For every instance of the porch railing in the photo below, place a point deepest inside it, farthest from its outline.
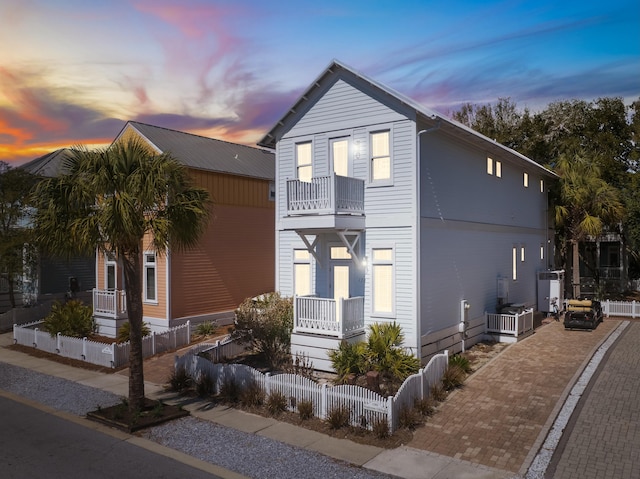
(109, 303)
(512, 324)
(325, 195)
(327, 316)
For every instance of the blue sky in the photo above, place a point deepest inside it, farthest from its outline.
(73, 72)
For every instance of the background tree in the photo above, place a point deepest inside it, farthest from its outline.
(111, 199)
(603, 134)
(586, 204)
(15, 233)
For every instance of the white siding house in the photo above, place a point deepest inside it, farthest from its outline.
(387, 211)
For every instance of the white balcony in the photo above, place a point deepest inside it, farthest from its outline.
(328, 317)
(109, 303)
(326, 195)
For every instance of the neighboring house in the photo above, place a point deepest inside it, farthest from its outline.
(57, 276)
(388, 211)
(233, 260)
(603, 265)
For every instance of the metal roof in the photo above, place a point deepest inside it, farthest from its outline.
(50, 165)
(431, 116)
(205, 153)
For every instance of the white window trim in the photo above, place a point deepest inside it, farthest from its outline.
(392, 247)
(145, 267)
(514, 263)
(109, 261)
(382, 182)
(296, 165)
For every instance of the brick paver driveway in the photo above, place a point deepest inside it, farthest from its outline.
(497, 417)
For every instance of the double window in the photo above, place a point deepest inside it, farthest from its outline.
(494, 167)
(150, 278)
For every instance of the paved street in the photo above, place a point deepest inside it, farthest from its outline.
(36, 444)
(602, 439)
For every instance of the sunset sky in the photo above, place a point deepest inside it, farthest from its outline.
(73, 72)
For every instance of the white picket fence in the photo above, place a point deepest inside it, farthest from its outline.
(366, 407)
(510, 324)
(630, 309)
(109, 355)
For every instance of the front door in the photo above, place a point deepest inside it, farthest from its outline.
(340, 273)
(340, 156)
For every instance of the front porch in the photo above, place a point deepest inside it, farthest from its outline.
(109, 310)
(320, 324)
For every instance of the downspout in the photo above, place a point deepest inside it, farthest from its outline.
(418, 236)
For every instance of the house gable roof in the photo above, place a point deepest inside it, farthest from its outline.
(204, 153)
(49, 165)
(428, 116)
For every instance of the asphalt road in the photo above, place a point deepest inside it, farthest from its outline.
(35, 444)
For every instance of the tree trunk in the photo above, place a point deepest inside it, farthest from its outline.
(133, 283)
(575, 268)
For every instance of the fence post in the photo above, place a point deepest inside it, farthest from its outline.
(216, 352)
(58, 345)
(35, 337)
(267, 384)
(323, 401)
(606, 308)
(390, 414)
(153, 343)
(84, 348)
(113, 355)
(188, 339)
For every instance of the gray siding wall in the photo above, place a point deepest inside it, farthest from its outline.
(345, 110)
(470, 223)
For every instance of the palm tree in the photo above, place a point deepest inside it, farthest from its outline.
(111, 199)
(585, 205)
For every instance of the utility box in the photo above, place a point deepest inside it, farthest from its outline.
(551, 291)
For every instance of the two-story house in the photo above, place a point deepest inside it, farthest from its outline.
(234, 258)
(388, 211)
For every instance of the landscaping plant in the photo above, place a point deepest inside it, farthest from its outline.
(124, 332)
(266, 323)
(72, 318)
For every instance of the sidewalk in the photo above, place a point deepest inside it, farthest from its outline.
(489, 429)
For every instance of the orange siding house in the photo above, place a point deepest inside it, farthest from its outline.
(234, 258)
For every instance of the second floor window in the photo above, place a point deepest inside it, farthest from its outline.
(304, 169)
(380, 157)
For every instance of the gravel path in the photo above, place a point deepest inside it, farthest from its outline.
(248, 454)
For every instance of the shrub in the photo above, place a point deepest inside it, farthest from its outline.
(180, 380)
(382, 352)
(381, 428)
(230, 391)
(206, 329)
(461, 361)
(266, 323)
(252, 395)
(204, 385)
(438, 392)
(72, 318)
(424, 406)
(125, 331)
(348, 359)
(453, 377)
(305, 409)
(300, 365)
(408, 418)
(339, 417)
(276, 403)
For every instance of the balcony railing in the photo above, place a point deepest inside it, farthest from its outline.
(328, 317)
(109, 303)
(327, 195)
